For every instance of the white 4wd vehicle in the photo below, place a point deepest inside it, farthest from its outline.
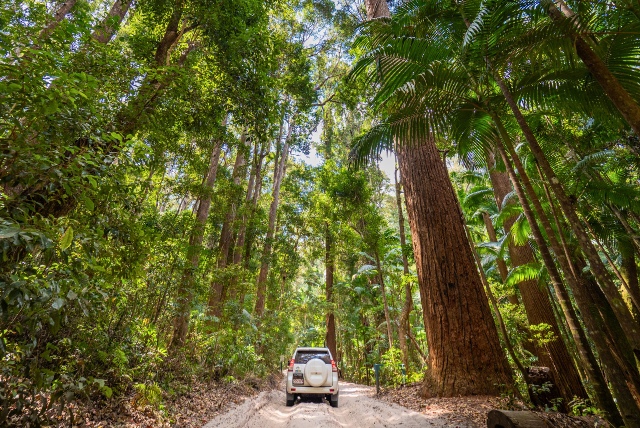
(312, 371)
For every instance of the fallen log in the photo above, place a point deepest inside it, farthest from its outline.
(511, 419)
(528, 419)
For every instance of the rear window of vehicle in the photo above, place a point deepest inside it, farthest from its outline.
(302, 357)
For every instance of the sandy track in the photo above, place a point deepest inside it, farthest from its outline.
(358, 408)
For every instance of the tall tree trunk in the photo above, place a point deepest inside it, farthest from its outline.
(110, 24)
(629, 325)
(403, 325)
(465, 356)
(591, 316)
(185, 287)
(619, 96)
(217, 295)
(279, 171)
(537, 305)
(329, 263)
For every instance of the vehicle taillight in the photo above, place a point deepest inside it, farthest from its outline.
(334, 368)
(291, 365)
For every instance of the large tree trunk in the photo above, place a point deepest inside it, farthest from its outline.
(537, 305)
(185, 287)
(279, 171)
(465, 356)
(219, 287)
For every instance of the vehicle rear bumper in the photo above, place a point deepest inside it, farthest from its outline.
(312, 390)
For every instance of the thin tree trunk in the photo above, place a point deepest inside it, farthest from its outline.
(110, 24)
(385, 304)
(630, 270)
(629, 325)
(329, 263)
(61, 12)
(217, 295)
(279, 171)
(591, 316)
(54, 202)
(403, 325)
(185, 287)
(502, 266)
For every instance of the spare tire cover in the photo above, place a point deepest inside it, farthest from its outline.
(315, 372)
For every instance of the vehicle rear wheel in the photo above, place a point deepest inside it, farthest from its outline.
(290, 399)
(334, 400)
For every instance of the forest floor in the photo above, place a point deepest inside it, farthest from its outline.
(254, 403)
(459, 411)
(193, 409)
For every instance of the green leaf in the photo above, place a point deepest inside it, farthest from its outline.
(72, 295)
(108, 392)
(116, 136)
(51, 108)
(92, 181)
(66, 239)
(9, 232)
(88, 203)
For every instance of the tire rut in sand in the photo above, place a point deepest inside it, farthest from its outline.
(358, 408)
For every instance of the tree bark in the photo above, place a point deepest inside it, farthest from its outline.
(630, 271)
(279, 171)
(496, 309)
(465, 356)
(185, 287)
(108, 27)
